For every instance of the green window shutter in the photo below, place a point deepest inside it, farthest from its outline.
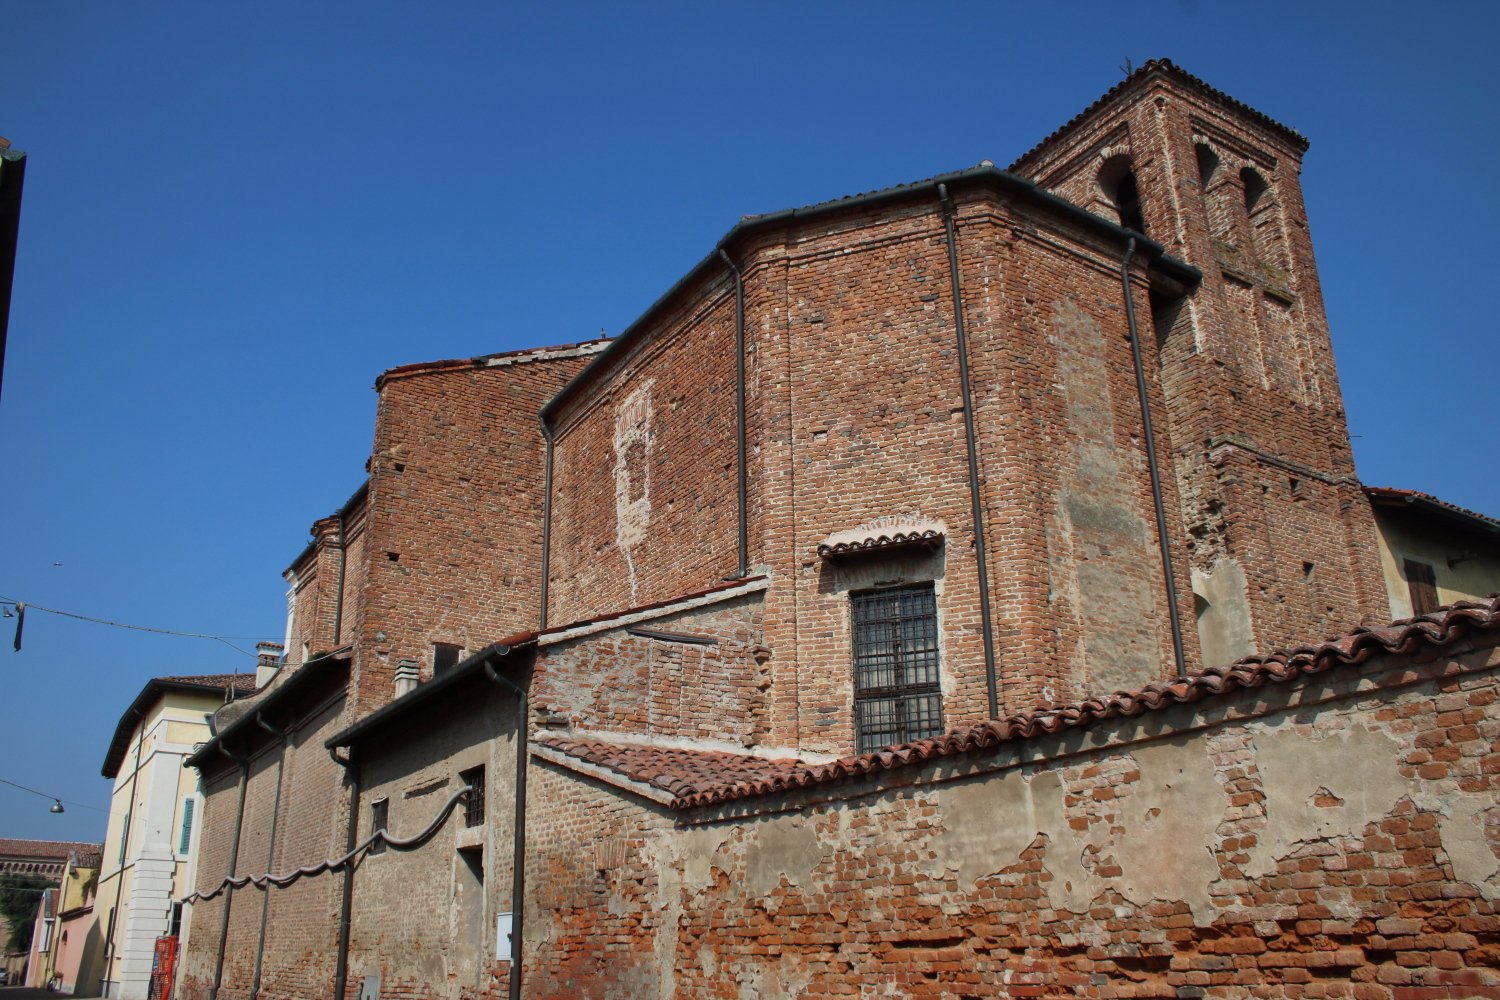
(187, 825)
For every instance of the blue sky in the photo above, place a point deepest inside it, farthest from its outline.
(237, 215)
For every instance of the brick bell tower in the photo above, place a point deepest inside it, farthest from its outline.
(1282, 539)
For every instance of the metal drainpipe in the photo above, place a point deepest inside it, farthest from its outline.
(518, 846)
(975, 504)
(234, 857)
(739, 397)
(265, 899)
(124, 850)
(546, 523)
(346, 904)
(1161, 510)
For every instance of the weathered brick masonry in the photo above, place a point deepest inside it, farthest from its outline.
(698, 821)
(1333, 834)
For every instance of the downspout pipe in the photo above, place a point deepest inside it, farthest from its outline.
(971, 437)
(234, 858)
(547, 436)
(1150, 443)
(739, 404)
(346, 901)
(518, 846)
(265, 899)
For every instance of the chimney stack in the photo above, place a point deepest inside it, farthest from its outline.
(267, 662)
(407, 674)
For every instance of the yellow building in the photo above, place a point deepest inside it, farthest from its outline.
(1433, 553)
(152, 837)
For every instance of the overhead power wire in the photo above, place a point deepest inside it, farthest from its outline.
(54, 798)
(268, 881)
(25, 606)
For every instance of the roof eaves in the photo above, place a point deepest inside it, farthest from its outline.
(1154, 252)
(1149, 70)
(424, 694)
(154, 689)
(1414, 498)
(312, 670)
(355, 499)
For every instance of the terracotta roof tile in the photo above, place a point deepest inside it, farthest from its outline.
(1394, 495)
(242, 683)
(700, 778)
(679, 772)
(59, 849)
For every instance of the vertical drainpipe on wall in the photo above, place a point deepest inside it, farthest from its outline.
(346, 902)
(546, 522)
(265, 898)
(1150, 443)
(518, 845)
(739, 402)
(975, 504)
(109, 965)
(234, 858)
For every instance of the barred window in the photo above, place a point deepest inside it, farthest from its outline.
(380, 819)
(473, 779)
(897, 697)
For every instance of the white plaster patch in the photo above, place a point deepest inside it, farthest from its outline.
(1356, 765)
(633, 441)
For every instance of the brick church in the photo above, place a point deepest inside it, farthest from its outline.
(930, 595)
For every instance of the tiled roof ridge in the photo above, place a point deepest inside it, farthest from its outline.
(59, 849)
(239, 681)
(635, 760)
(1154, 67)
(1395, 493)
(1437, 629)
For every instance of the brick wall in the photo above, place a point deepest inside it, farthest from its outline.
(618, 682)
(302, 920)
(1336, 836)
(454, 535)
(644, 477)
(1256, 420)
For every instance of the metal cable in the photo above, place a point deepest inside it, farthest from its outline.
(333, 865)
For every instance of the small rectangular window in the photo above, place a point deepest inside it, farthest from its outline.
(444, 657)
(473, 779)
(380, 818)
(185, 839)
(1421, 583)
(897, 694)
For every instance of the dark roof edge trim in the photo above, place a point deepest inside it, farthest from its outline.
(1140, 78)
(425, 693)
(355, 498)
(154, 689)
(1392, 497)
(271, 699)
(1157, 257)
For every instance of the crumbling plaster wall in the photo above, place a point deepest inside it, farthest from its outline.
(1335, 831)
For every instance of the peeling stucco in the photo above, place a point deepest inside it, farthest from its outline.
(1224, 628)
(1097, 541)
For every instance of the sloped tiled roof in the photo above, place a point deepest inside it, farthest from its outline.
(1157, 67)
(240, 684)
(49, 849)
(679, 772)
(1391, 495)
(700, 778)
